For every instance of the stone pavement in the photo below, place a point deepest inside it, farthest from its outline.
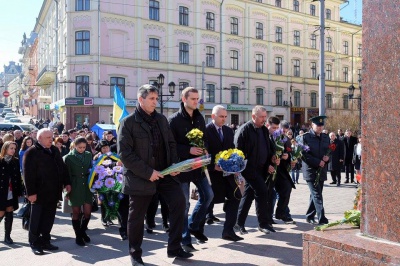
(106, 248)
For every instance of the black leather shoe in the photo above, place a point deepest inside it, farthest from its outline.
(270, 228)
(188, 248)
(165, 227)
(49, 246)
(210, 221)
(338, 184)
(311, 221)
(264, 230)
(332, 183)
(346, 182)
(37, 250)
(231, 236)
(179, 253)
(137, 262)
(240, 229)
(287, 220)
(215, 219)
(199, 235)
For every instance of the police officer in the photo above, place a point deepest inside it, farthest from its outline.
(314, 161)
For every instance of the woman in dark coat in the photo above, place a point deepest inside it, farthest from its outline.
(10, 186)
(79, 163)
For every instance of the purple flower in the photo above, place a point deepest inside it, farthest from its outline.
(97, 184)
(120, 178)
(121, 196)
(109, 171)
(106, 162)
(117, 169)
(102, 175)
(99, 169)
(101, 197)
(110, 182)
(111, 204)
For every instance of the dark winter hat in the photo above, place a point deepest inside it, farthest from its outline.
(101, 144)
(318, 120)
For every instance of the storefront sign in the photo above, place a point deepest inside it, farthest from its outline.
(78, 101)
(130, 102)
(297, 109)
(231, 107)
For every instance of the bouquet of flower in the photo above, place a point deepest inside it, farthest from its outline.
(296, 151)
(352, 217)
(232, 162)
(279, 139)
(331, 148)
(188, 165)
(195, 136)
(106, 178)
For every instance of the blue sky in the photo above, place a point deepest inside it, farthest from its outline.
(19, 16)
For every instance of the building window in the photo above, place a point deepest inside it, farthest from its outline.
(358, 74)
(82, 5)
(328, 14)
(296, 68)
(329, 100)
(182, 86)
(296, 6)
(259, 30)
(278, 3)
(234, 60)
(259, 63)
(210, 89)
(329, 44)
(235, 117)
(279, 94)
(183, 16)
(82, 86)
(259, 96)
(210, 56)
(296, 38)
(183, 53)
(296, 98)
(313, 70)
(312, 10)
(346, 74)
(120, 82)
(359, 49)
(234, 94)
(346, 47)
(278, 34)
(210, 21)
(313, 99)
(234, 26)
(313, 41)
(154, 10)
(328, 72)
(82, 42)
(345, 101)
(154, 49)
(278, 66)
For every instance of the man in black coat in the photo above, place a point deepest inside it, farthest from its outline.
(336, 159)
(220, 138)
(146, 146)
(182, 122)
(45, 175)
(253, 139)
(349, 142)
(314, 161)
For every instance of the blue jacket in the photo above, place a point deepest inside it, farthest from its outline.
(318, 148)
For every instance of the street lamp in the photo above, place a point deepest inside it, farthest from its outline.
(171, 89)
(351, 96)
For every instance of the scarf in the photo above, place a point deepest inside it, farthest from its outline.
(7, 158)
(80, 156)
(155, 131)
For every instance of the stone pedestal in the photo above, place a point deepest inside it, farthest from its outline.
(377, 243)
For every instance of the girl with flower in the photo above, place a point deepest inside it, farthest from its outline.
(79, 163)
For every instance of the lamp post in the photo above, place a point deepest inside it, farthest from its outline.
(171, 89)
(351, 96)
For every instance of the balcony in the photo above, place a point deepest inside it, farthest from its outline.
(46, 77)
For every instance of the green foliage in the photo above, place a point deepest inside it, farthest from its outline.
(352, 217)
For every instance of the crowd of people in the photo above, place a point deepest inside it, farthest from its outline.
(50, 162)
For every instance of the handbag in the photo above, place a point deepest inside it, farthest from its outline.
(26, 215)
(95, 205)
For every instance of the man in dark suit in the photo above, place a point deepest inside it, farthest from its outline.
(45, 174)
(220, 138)
(336, 159)
(349, 142)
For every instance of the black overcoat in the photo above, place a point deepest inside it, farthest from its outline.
(336, 156)
(10, 170)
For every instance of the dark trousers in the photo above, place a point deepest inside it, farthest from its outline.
(256, 189)
(350, 170)
(231, 204)
(41, 222)
(336, 176)
(153, 207)
(171, 191)
(316, 204)
(284, 188)
(123, 211)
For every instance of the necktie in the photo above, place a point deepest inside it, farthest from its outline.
(220, 134)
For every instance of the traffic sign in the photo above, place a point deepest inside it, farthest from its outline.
(201, 107)
(201, 101)
(47, 107)
(6, 94)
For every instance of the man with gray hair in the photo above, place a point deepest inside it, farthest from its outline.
(45, 175)
(18, 139)
(146, 146)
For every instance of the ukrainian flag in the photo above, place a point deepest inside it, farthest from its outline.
(119, 109)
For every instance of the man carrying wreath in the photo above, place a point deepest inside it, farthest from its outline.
(146, 146)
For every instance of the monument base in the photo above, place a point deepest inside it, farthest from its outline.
(344, 245)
